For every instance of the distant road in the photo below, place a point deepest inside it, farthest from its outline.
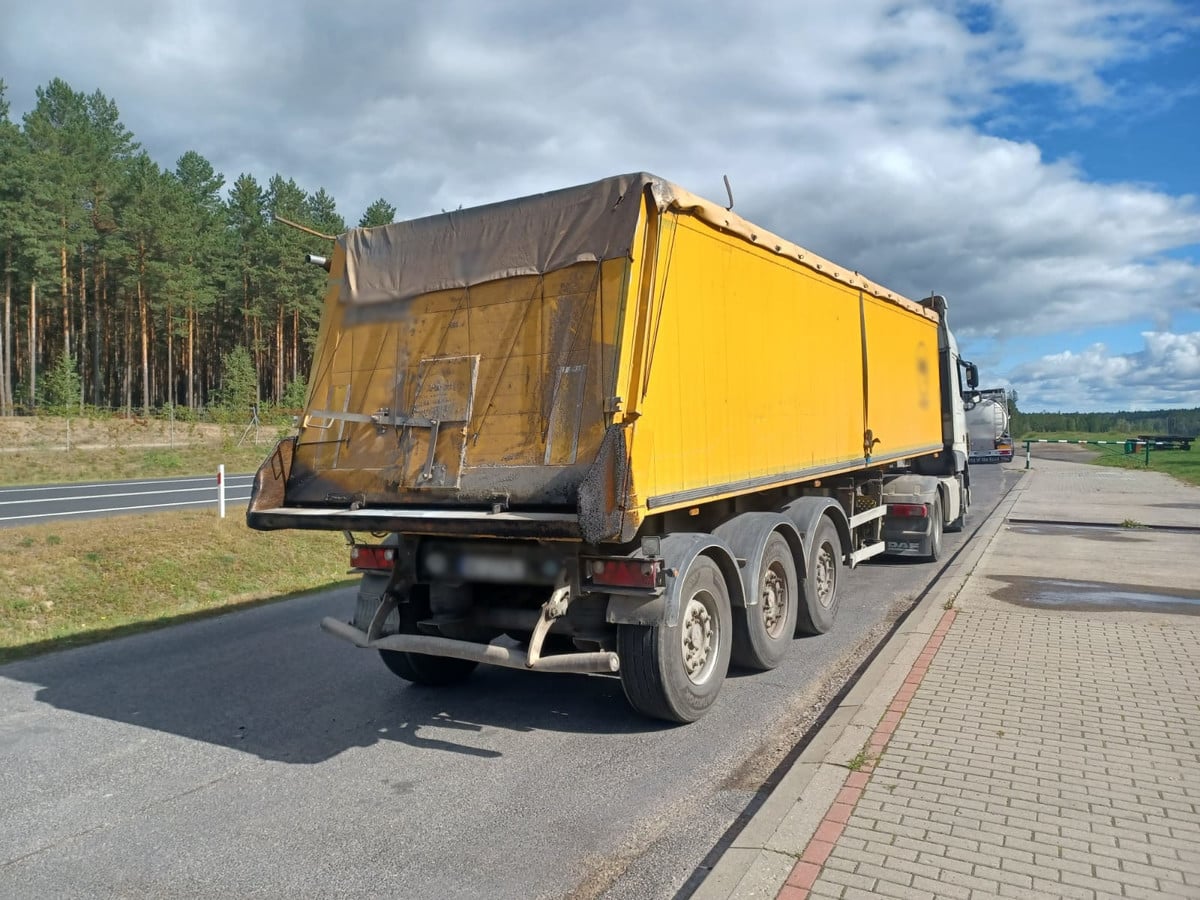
(54, 502)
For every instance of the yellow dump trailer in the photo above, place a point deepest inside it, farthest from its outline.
(619, 423)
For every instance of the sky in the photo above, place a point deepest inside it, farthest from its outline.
(1035, 162)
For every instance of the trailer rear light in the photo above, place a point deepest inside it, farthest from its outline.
(362, 557)
(637, 573)
(908, 510)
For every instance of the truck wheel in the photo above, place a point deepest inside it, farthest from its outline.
(674, 672)
(433, 671)
(935, 529)
(820, 605)
(762, 633)
(415, 667)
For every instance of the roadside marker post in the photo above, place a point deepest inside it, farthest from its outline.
(221, 491)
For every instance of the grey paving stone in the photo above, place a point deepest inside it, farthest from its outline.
(1046, 753)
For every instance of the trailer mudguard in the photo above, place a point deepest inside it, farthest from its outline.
(805, 513)
(747, 537)
(678, 552)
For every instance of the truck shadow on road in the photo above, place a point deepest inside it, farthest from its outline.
(268, 682)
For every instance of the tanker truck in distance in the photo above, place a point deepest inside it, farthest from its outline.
(614, 429)
(987, 427)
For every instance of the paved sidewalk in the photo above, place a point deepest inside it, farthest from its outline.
(1037, 737)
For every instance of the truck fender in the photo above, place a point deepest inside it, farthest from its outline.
(911, 487)
(678, 552)
(805, 513)
(747, 537)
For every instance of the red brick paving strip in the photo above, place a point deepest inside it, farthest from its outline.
(808, 867)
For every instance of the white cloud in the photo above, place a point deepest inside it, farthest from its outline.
(848, 127)
(1165, 374)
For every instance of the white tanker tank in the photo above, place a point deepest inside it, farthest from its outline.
(987, 425)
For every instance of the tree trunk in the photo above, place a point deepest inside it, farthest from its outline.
(128, 361)
(66, 295)
(32, 343)
(81, 353)
(295, 344)
(278, 386)
(6, 388)
(258, 366)
(144, 316)
(191, 356)
(170, 360)
(144, 319)
(96, 289)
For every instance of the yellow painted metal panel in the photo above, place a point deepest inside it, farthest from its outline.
(904, 404)
(755, 371)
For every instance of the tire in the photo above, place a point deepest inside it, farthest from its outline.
(418, 668)
(655, 659)
(819, 609)
(935, 530)
(762, 633)
(431, 671)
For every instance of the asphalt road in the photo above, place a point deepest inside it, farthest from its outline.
(53, 502)
(252, 754)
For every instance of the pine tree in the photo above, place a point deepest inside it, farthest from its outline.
(378, 213)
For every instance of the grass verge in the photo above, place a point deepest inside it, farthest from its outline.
(21, 467)
(1184, 465)
(71, 583)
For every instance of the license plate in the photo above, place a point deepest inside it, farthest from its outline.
(491, 568)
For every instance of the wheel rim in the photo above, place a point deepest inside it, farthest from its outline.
(700, 637)
(774, 600)
(825, 576)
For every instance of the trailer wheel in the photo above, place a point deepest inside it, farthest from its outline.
(817, 613)
(935, 529)
(433, 671)
(418, 668)
(674, 672)
(763, 632)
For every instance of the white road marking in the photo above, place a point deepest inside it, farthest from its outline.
(88, 512)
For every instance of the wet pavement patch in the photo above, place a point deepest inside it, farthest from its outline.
(1091, 533)
(1095, 596)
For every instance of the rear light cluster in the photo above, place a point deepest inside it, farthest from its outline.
(363, 557)
(619, 572)
(908, 510)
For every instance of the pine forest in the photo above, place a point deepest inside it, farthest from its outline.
(131, 287)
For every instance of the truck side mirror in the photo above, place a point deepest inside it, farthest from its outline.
(973, 378)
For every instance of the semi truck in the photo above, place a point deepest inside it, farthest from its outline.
(987, 427)
(614, 429)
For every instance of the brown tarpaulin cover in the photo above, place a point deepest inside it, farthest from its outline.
(534, 235)
(588, 223)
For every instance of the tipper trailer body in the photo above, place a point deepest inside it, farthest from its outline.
(614, 428)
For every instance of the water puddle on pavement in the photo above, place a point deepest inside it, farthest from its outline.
(1084, 596)
(1111, 535)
